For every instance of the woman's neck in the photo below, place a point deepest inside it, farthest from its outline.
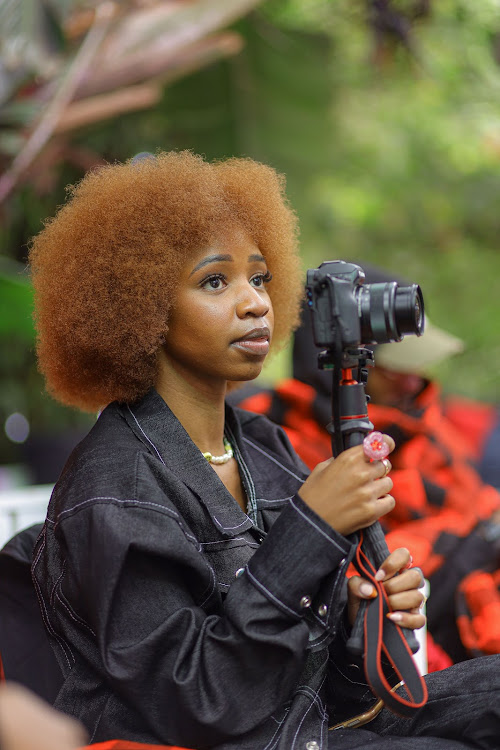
(199, 407)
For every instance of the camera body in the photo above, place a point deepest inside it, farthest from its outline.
(347, 313)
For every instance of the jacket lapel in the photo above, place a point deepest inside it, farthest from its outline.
(160, 431)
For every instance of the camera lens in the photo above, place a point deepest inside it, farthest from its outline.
(409, 304)
(387, 311)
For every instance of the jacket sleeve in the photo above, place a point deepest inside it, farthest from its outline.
(187, 661)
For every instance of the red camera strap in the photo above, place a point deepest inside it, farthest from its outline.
(385, 637)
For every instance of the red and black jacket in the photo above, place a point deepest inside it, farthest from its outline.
(443, 508)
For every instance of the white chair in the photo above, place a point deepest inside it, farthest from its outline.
(22, 507)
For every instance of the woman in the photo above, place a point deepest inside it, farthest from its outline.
(190, 575)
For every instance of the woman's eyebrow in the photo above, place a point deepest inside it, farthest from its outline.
(257, 257)
(211, 259)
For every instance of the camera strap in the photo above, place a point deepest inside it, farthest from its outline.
(386, 649)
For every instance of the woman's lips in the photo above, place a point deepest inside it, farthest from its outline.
(253, 346)
(255, 341)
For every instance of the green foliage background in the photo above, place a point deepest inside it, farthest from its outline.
(390, 143)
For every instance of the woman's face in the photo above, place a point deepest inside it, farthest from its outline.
(221, 322)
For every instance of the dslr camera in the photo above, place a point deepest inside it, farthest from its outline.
(347, 313)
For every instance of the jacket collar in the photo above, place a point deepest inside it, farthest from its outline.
(163, 435)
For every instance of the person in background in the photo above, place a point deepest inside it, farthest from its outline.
(28, 723)
(445, 513)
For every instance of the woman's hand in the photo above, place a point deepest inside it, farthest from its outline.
(403, 590)
(350, 492)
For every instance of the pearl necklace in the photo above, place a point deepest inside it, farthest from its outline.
(220, 459)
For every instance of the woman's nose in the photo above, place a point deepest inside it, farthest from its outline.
(252, 301)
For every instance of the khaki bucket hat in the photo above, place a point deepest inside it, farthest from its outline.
(416, 354)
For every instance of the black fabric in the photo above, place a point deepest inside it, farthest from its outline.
(26, 653)
(463, 557)
(158, 639)
(436, 495)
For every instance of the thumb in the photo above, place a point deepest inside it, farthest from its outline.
(357, 589)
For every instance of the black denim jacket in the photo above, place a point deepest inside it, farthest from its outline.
(177, 618)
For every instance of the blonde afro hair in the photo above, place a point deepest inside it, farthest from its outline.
(104, 269)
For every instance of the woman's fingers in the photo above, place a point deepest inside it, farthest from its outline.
(384, 504)
(357, 589)
(390, 442)
(404, 592)
(403, 586)
(411, 579)
(386, 467)
(406, 600)
(361, 588)
(405, 605)
(411, 620)
(349, 492)
(398, 560)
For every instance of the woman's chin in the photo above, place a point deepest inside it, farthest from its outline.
(238, 380)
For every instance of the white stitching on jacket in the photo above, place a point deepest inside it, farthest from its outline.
(309, 520)
(149, 441)
(274, 460)
(45, 615)
(74, 616)
(315, 701)
(272, 596)
(98, 498)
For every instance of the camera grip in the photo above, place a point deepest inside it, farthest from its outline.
(376, 548)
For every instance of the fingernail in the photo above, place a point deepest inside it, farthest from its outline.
(409, 563)
(368, 590)
(380, 575)
(394, 616)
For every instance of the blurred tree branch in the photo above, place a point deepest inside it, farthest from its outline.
(50, 117)
(128, 53)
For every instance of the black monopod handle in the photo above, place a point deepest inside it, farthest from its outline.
(350, 403)
(376, 548)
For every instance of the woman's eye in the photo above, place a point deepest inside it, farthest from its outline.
(216, 281)
(261, 278)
